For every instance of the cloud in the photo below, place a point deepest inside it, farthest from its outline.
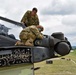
(54, 15)
(2, 12)
(69, 20)
(58, 23)
(60, 7)
(15, 30)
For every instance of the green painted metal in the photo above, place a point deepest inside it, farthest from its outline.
(20, 69)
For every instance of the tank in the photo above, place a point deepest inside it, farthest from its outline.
(51, 46)
(48, 46)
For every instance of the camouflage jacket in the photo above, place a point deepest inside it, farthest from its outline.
(30, 32)
(30, 20)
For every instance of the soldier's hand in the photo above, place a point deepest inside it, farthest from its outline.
(23, 24)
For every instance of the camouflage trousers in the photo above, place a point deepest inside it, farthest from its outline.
(26, 38)
(28, 42)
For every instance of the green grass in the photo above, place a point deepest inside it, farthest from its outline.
(59, 67)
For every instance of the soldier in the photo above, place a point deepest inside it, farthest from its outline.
(29, 34)
(30, 18)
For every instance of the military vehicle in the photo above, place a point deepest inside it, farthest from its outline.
(48, 47)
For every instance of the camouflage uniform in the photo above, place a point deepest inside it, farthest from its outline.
(30, 20)
(29, 34)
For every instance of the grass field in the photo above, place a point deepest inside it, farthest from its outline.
(59, 66)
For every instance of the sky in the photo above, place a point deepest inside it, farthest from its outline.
(54, 15)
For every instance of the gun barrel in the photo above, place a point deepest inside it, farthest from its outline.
(12, 21)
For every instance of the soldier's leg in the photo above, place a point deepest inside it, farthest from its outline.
(19, 43)
(25, 38)
(29, 42)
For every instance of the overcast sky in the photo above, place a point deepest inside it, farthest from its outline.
(54, 15)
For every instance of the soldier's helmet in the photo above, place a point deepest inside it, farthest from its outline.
(40, 28)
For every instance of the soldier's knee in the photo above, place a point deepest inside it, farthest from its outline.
(19, 43)
(29, 43)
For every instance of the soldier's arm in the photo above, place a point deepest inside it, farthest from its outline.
(40, 35)
(37, 20)
(36, 32)
(24, 18)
